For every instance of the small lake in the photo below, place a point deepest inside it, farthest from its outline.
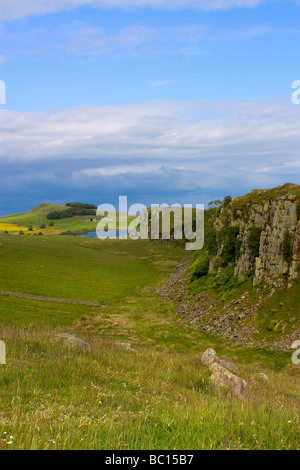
(109, 234)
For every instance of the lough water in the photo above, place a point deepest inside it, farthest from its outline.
(112, 235)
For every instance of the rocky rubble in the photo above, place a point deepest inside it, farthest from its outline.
(230, 320)
(203, 312)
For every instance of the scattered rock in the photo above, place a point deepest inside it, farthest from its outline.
(209, 357)
(72, 341)
(263, 377)
(229, 365)
(223, 378)
(128, 347)
(215, 366)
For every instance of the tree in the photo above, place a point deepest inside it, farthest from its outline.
(287, 247)
(227, 201)
(214, 204)
(254, 241)
(228, 237)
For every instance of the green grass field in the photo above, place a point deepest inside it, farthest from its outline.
(156, 397)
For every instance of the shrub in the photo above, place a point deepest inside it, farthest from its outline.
(254, 241)
(235, 213)
(43, 226)
(224, 283)
(251, 273)
(231, 244)
(287, 247)
(227, 201)
(200, 266)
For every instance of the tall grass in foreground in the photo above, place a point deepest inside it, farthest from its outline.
(159, 397)
(52, 397)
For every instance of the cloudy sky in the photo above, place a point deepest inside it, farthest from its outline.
(166, 101)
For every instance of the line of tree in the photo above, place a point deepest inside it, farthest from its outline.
(72, 209)
(81, 205)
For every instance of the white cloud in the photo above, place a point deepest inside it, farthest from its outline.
(88, 40)
(162, 83)
(111, 171)
(93, 40)
(180, 145)
(12, 9)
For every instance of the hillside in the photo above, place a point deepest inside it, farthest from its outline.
(244, 283)
(142, 384)
(37, 217)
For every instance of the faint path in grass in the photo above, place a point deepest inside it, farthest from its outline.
(50, 299)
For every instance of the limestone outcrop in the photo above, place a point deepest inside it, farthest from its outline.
(276, 219)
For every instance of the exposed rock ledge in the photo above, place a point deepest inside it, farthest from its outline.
(229, 320)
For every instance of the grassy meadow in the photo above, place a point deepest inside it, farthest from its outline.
(155, 394)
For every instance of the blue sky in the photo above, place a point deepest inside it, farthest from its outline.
(164, 101)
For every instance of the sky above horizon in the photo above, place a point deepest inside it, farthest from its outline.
(174, 101)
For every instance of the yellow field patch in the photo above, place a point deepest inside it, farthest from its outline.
(11, 228)
(17, 228)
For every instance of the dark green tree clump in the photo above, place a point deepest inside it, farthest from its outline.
(254, 241)
(80, 205)
(227, 201)
(228, 236)
(72, 209)
(287, 247)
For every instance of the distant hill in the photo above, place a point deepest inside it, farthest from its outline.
(36, 217)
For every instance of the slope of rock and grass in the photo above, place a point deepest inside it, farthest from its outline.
(244, 283)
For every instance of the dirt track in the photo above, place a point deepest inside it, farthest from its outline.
(50, 299)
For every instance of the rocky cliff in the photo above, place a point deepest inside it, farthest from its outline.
(267, 224)
(244, 283)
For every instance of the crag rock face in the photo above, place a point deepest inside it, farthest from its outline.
(253, 238)
(276, 219)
